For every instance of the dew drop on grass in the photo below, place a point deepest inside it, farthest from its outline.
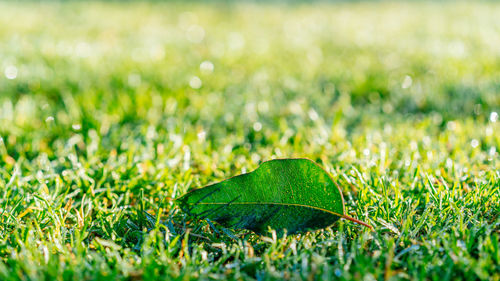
(227, 149)
(407, 82)
(474, 143)
(195, 82)
(207, 67)
(313, 115)
(255, 157)
(11, 72)
(493, 117)
(257, 126)
(201, 135)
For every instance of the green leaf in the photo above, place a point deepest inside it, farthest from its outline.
(291, 194)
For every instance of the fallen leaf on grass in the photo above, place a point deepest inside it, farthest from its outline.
(291, 194)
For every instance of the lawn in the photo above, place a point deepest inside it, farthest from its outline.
(109, 111)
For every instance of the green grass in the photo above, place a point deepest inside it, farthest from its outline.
(105, 122)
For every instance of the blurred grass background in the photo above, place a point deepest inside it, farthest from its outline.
(108, 110)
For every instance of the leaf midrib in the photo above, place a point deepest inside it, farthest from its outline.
(272, 203)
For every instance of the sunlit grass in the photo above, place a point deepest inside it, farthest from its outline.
(109, 111)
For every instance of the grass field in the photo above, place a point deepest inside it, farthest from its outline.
(109, 111)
